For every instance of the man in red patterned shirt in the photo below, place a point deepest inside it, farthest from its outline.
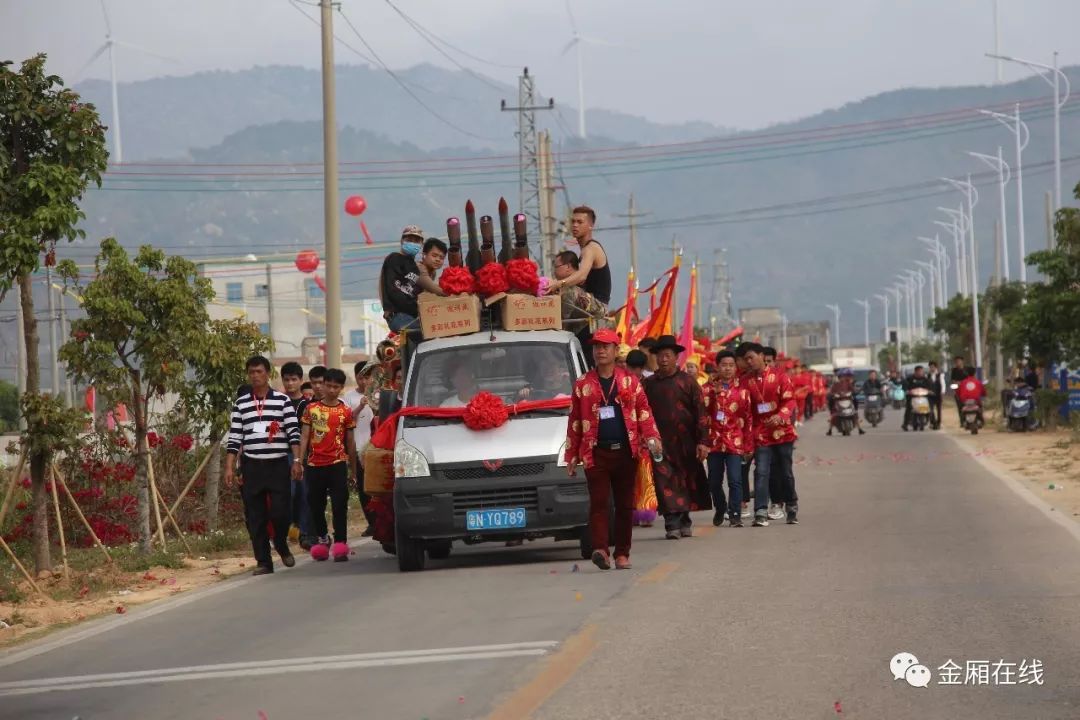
(774, 435)
(730, 439)
(610, 427)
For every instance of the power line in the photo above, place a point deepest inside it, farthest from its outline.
(404, 86)
(424, 36)
(456, 49)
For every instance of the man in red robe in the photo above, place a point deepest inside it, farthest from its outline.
(679, 408)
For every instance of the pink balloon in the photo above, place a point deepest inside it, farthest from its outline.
(356, 205)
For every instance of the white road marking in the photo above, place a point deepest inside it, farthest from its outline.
(276, 667)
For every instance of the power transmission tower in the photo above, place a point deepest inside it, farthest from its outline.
(720, 298)
(528, 150)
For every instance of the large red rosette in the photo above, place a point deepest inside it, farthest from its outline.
(485, 411)
(457, 281)
(491, 279)
(523, 275)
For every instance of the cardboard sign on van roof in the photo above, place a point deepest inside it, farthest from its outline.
(448, 316)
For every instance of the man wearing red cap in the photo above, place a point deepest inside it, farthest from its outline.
(610, 427)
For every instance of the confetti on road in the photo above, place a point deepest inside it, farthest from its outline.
(837, 708)
(120, 610)
(575, 568)
(578, 596)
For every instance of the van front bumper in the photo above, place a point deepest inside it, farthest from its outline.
(435, 507)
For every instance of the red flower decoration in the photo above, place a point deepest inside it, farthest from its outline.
(485, 411)
(274, 427)
(523, 274)
(457, 281)
(183, 442)
(153, 439)
(491, 279)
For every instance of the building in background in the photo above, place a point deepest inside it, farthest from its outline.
(806, 340)
(290, 307)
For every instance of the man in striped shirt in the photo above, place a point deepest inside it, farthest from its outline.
(265, 430)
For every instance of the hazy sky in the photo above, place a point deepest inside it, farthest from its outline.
(742, 63)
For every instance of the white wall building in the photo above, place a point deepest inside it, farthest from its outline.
(289, 306)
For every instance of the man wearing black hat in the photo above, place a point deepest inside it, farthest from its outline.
(679, 409)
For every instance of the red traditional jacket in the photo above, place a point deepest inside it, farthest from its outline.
(584, 423)
(731, 413)
(772, 394)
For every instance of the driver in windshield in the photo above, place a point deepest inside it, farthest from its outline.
(549, 381)
(462, 380)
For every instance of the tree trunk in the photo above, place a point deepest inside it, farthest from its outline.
(142, 481)
(39, 462)
(213, 482)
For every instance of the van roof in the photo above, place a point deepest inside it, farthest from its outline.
(504, 336)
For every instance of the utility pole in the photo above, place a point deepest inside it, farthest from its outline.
(330, 191)
(1049, 221)
(999, 364)
(54, 356)
(528, 149)
(632, 216)
(269, 304)
(721, 291)
(65, 332)
(697, 295)
(20, 356)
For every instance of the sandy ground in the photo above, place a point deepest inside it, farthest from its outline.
(1048, 463)
(36, 615)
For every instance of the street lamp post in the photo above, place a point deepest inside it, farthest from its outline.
(1004, 175)
(884, 314)
(971, 194)
(1019, 128)
(899, 340)
(1045, 71)
(938, 248)
(931, 273)
(836, 314)
(866, 320)
(956, 228)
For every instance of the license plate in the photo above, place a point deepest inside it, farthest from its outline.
(498, 519)
(872, 398)
(920, 405)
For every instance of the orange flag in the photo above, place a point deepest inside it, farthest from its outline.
(628, 316)
(659, 321)
(686, 332)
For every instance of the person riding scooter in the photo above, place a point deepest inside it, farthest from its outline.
(971, 389)
(873, 390)
(918, 380)
(843, 387)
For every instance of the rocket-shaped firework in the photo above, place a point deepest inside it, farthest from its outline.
(521, 239)
(472, 259)
(487, 240)
(453, 234)
(504, 228)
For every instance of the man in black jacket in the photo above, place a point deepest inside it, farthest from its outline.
(938, 379)
(918, 380)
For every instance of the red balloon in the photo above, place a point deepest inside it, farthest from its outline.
(356, 205)
(307, 261)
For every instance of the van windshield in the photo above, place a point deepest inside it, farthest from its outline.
(513, 371)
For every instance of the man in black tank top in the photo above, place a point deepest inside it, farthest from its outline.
(593, 274)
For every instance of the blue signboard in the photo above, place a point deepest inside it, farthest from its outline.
(1069, 382)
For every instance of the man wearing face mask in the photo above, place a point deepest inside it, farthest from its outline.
(402, 279)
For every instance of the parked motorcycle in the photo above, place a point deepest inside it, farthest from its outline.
(1020, 414)
(920, 408)
(873, 409)
(898, 397)
(972, 414)
(844, 418)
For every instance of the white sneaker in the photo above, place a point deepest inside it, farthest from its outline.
(776, 512)
(746, 511)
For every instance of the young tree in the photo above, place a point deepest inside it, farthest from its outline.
(144, 317)
(218, 363)
(52, 146)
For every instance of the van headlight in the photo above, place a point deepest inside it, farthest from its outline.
(561, 457)
(409, 462)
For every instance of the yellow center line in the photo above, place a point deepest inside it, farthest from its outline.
(659, 573)
(558, 668)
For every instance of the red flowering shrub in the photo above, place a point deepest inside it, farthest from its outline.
(182, 442)
(153, 439)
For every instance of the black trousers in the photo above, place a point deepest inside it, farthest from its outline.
(266, 501)
(746, 484)
(332, 481)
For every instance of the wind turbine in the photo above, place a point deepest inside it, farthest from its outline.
(110, 47)
(576, 41)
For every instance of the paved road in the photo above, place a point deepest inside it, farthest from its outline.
(905, 544)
